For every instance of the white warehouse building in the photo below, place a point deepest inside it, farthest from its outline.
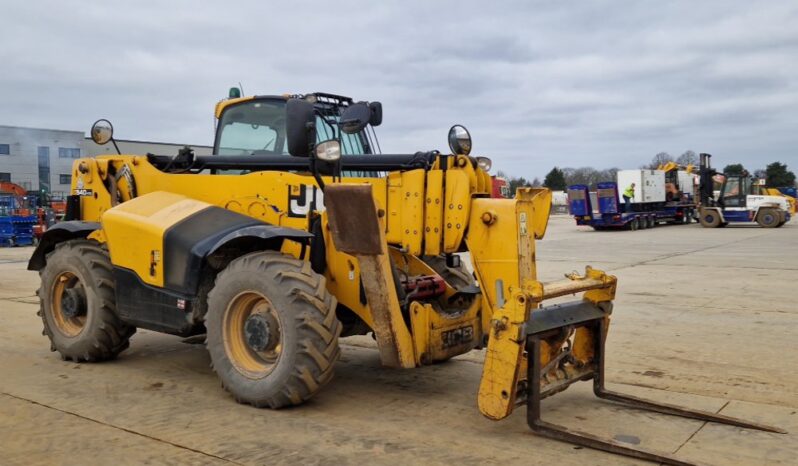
(41, 159)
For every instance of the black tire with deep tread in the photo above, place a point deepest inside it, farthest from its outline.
(458, 277)
(309, 336)
(104, 335)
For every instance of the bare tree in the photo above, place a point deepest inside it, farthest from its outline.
(688, 158)
(659, 159)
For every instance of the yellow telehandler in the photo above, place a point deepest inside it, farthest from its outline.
(297, 232)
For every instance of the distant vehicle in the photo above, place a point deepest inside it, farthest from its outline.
(653, 201)
(787, 193)
(17, 215)
(501, 188)
(739, 200)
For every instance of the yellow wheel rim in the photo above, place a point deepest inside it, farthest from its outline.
(68, 325)
(252, 334)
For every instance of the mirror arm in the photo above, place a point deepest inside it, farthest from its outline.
(316, 175)
(119, 152)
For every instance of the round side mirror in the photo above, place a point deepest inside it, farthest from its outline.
(459, 140)
(355, 118)
(102, 131)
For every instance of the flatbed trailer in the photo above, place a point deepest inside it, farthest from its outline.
(611, 214)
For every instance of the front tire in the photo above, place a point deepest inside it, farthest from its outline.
(709, 218)
(78, 303)
(272, 332)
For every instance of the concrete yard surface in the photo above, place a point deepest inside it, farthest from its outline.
(703, 318)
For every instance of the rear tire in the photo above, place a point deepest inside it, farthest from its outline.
(709, 218)
(272, 330)
(768, 218)
(78, 303)
(633, 224)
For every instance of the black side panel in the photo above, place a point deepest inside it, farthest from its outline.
(187, 243)
(153, 308)
(318, 250)
(62, 231)
(72, 208)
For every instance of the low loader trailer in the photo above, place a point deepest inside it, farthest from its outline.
(611, 214)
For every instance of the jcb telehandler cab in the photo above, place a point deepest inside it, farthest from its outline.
(297, 232)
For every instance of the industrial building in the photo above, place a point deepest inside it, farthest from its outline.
(41, 159)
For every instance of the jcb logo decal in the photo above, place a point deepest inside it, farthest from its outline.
(300, 197)
(457, 337)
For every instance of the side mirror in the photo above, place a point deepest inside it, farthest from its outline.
(376, 113)
(102, 131)
(300, 127)
(355, 118)
(459, 140)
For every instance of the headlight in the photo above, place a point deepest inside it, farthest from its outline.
(329, 151)
(459, 140)
(484, 163)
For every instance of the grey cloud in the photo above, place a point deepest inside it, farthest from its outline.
(602, 83)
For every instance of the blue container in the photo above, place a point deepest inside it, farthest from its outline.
(579, 201)
(607, 195)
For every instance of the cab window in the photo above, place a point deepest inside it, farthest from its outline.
(253, 128)
(731, 193)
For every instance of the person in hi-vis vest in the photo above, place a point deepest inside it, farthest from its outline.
(628, 195)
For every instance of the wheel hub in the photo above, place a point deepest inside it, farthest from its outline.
(257, 332)
(73, 302)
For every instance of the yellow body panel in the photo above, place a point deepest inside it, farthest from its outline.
(433, 211)
(456, 207)
(412, 218)
(135, 230)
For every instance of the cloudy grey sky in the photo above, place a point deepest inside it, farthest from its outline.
(538, 84)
